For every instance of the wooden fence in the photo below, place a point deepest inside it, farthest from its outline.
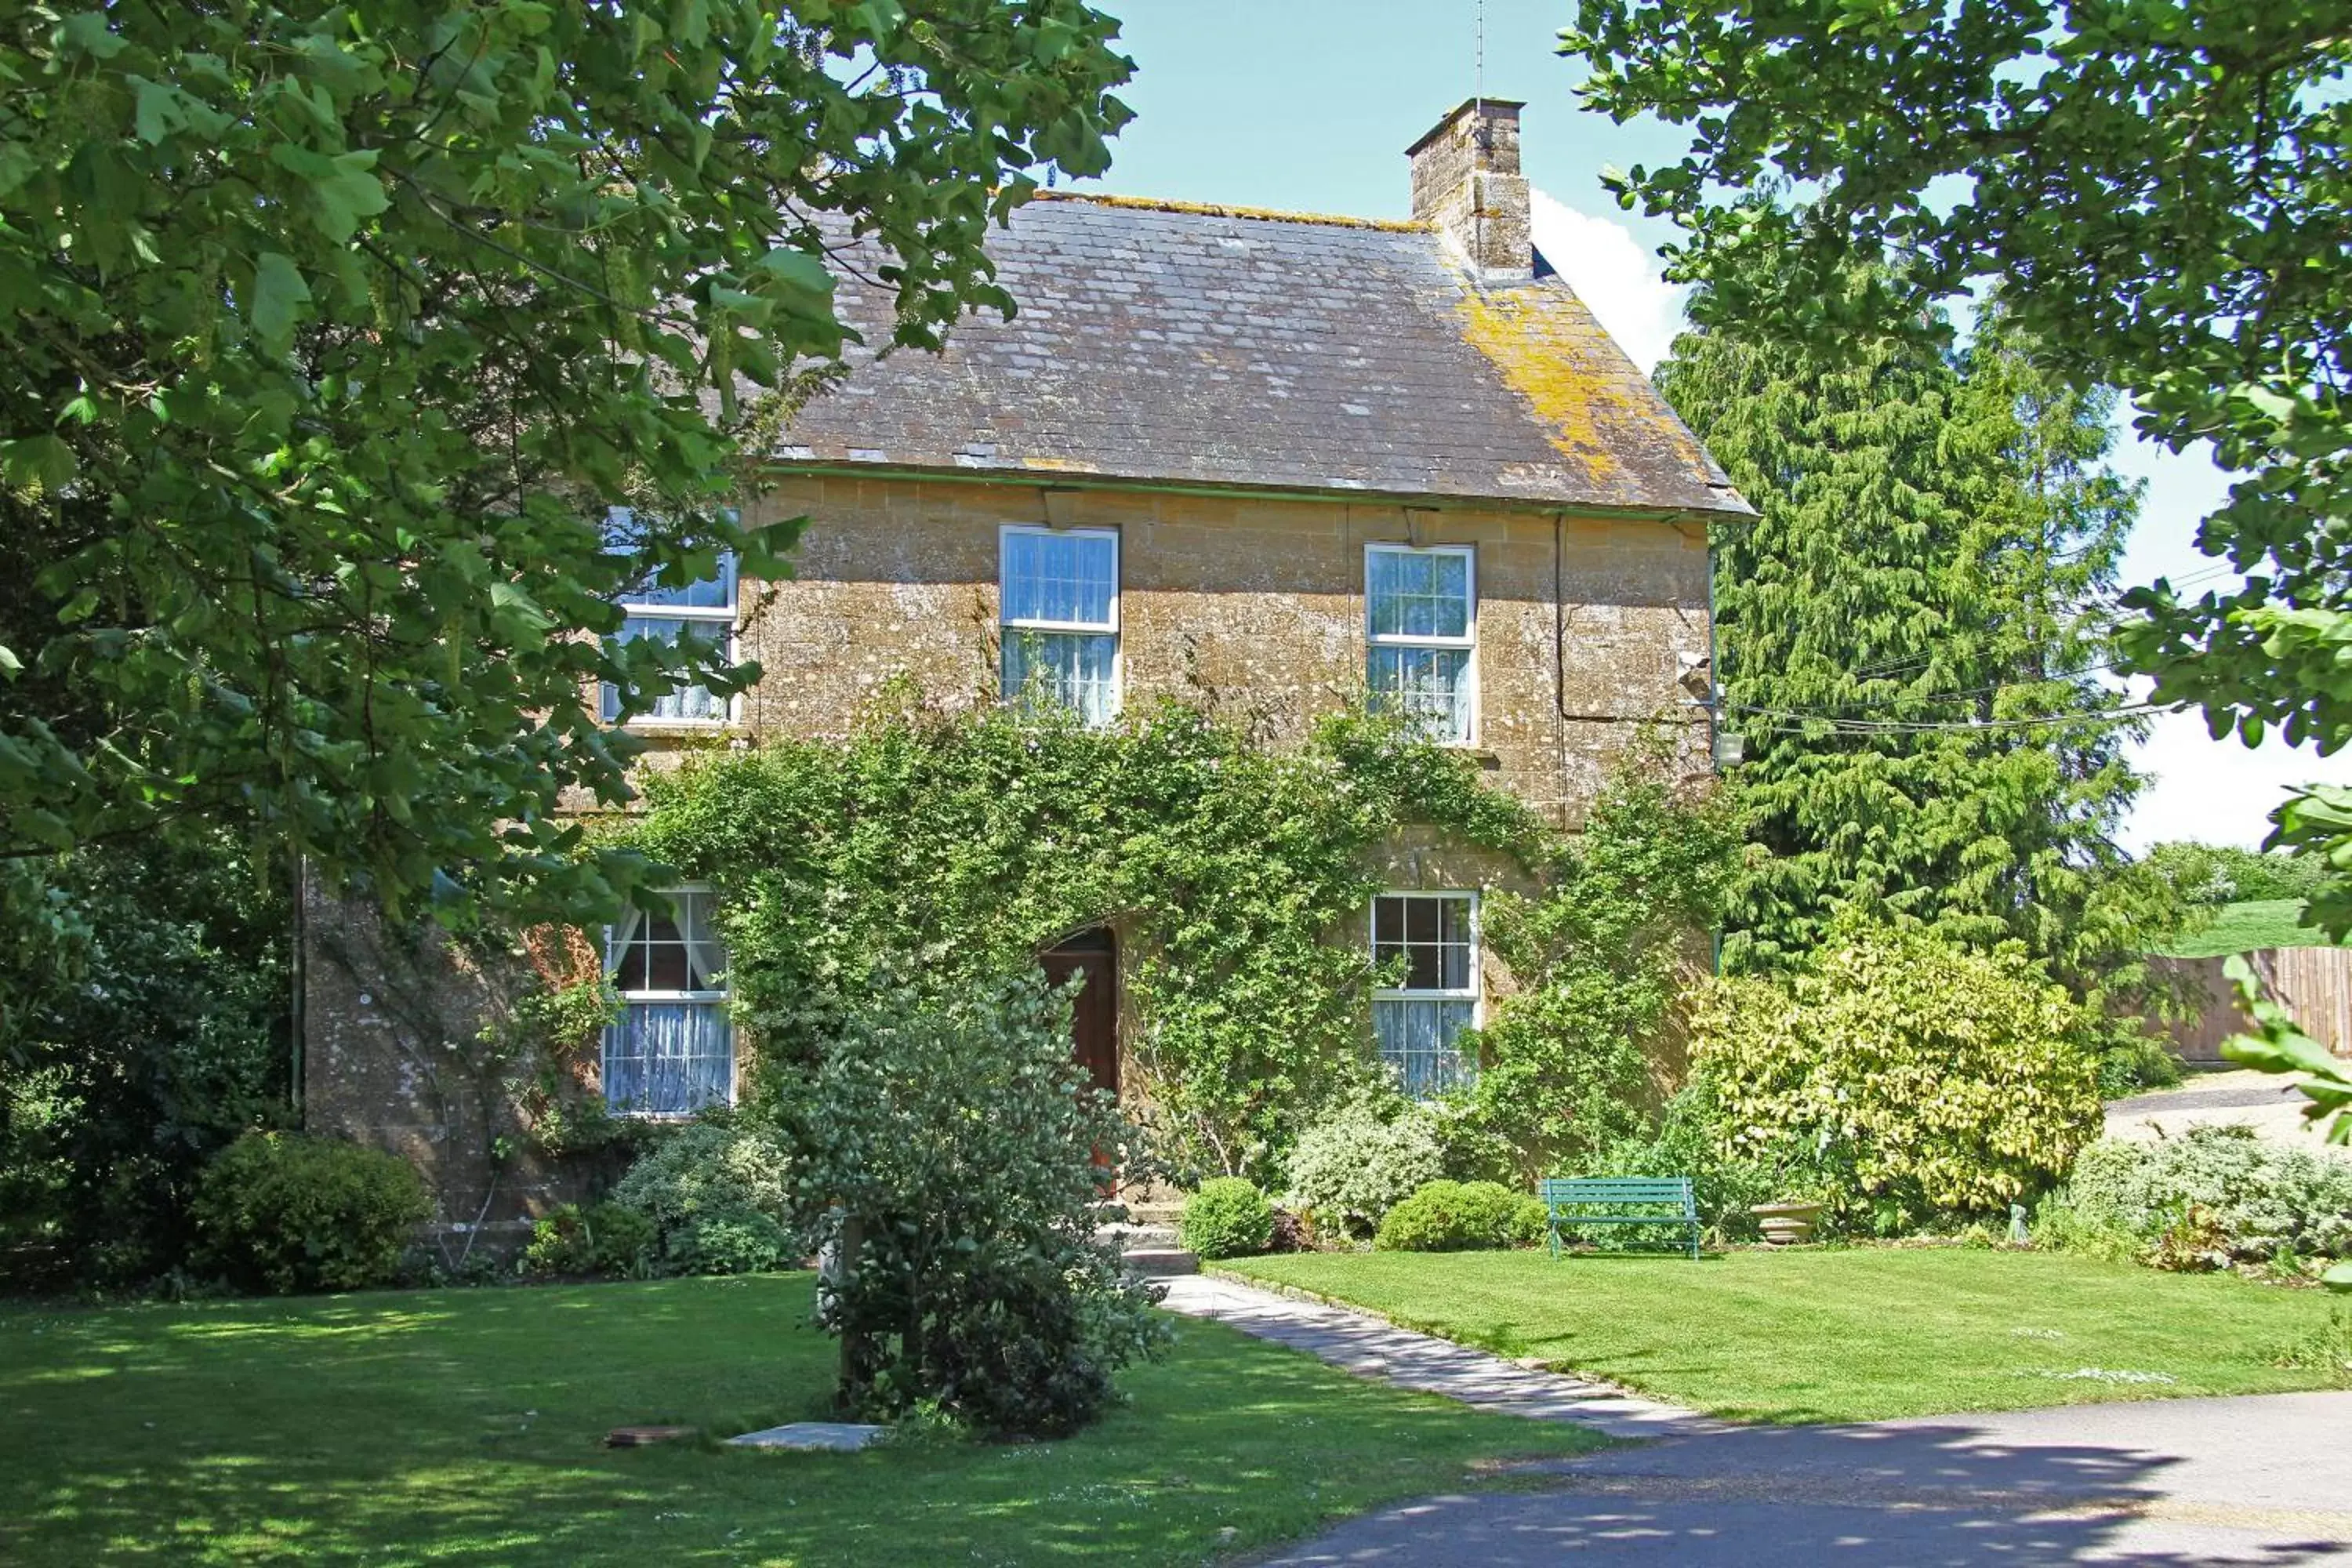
(2314, 982)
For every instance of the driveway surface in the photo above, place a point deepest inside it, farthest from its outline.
(2157, 1483)
(2267, 1103)
(2265, 1479)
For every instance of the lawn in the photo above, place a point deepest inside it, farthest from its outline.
(464, 1427)
(2248, 927)
(1842, 1335)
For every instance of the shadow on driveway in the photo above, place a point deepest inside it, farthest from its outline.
(2163, 1483)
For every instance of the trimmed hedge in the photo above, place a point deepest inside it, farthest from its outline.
(1457, 1216)
(1228, 1217)
(284, 1212)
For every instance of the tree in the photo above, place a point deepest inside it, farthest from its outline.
(337, 335)
(1911, 633)
(2160, 189)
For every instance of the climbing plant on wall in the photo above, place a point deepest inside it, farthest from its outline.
(945, 847)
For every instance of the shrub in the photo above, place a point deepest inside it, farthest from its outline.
(956, 1160)
(1690, 1139)
(1916, 1078)
(1290, 1232)
(283, 1212)
(2255, 1198)
(602, 1238)
(1351, 1169)
(716, 1199)
(1228, 1217)
(1455, 1217)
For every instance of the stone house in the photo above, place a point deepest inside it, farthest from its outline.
(1276, 457)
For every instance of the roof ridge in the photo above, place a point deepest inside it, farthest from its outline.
(1222, 209)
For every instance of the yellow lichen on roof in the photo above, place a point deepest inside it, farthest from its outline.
(1542, 342)
(1216, 209)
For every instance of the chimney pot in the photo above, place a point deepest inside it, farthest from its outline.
(1467, 181)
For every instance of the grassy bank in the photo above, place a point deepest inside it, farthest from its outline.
(1844, 1335)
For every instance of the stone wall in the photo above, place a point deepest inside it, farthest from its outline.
(402, 1048)
(1253, 606)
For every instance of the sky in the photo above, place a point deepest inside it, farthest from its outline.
(1309, 104)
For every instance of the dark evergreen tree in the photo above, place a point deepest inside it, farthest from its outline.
(1912, 637)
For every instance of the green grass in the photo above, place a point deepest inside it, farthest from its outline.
(2247, 928)
(1840, 1335)
(464, 1427)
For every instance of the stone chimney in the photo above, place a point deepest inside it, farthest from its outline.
(1467, 181)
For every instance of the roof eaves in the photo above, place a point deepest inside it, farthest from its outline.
(1047, 474)
(1218, 209)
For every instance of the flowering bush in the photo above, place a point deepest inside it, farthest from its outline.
(2249, 1199)
(1350, 1169)
(715, 1198)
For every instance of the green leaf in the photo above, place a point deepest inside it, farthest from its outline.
(87, 32)
(278, 294)
(42, 461)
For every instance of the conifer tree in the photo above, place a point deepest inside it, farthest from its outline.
(1911, 637)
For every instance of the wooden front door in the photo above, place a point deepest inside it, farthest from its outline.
(1094, 1014)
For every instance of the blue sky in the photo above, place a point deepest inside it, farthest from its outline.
(1309, 104)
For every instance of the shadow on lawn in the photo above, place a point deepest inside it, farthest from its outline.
(464, 1429)
(1860, 1497)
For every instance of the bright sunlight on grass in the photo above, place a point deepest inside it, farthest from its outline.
(465, 1426)
(1837, 1335)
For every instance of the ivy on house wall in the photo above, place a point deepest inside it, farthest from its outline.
(940, 848)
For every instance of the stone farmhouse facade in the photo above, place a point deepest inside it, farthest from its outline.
(1274, 459)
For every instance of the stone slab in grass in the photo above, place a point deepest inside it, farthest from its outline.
(828, 1436)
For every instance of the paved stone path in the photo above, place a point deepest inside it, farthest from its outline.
(1370, 1348)
(2156, 1484)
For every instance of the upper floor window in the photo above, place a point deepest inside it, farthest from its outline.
(672, 1050)
(1422, 628)
(704, 609)
(1059, 593)
(1418, 1020)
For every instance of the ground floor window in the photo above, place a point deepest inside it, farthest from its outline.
(672, 1050)
(1418, 1016)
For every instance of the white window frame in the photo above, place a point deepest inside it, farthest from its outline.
(718, 998)
(1474, 993)
(1008, 626)
(1469, 641)
(722, 617)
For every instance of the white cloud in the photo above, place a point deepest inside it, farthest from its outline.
(1613, 273)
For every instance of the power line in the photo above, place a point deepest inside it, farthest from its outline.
(1844, 726)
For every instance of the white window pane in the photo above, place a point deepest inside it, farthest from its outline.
(1074, 669)
(1419, 1041)
(716, 592)
(1430, 685)
(1422, 594)
(693, 702)
(1070, 578)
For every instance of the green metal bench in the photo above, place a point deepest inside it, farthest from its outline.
(1566, 1199)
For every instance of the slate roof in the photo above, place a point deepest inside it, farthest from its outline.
(1208, 346)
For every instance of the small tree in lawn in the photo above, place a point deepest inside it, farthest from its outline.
(954, 1157)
